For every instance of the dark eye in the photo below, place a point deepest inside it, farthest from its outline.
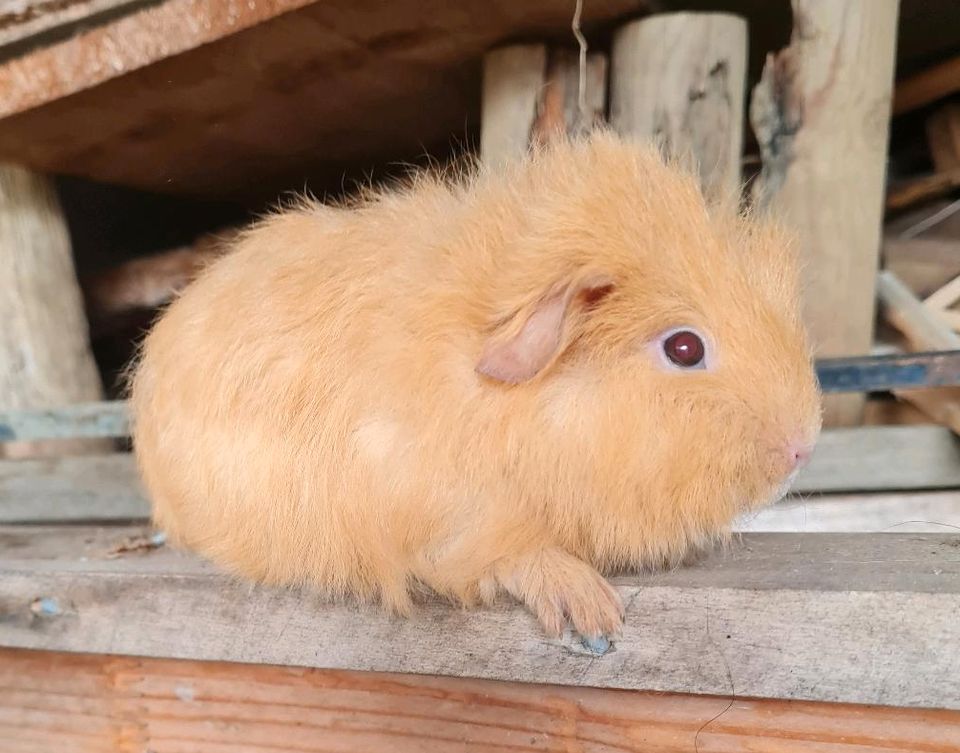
(685, 349)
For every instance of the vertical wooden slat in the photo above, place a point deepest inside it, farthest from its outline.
(680, 79)
(821, 113)
(45, 356)
(513, 78)
(530, 94)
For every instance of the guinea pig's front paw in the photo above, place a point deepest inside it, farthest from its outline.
(558, 587)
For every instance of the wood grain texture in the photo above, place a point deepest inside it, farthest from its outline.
(102, 703)
(255, 97)
(846, 618)
(821, 114)
(45, 355)
(680, 79)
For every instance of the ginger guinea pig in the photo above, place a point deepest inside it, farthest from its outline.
(508, 381)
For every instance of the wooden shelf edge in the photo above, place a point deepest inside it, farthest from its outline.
(820, 617)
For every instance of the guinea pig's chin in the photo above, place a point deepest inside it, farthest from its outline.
(779, 490)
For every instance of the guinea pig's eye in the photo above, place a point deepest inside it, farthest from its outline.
(685, 349)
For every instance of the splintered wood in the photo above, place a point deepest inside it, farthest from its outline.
(821, 115)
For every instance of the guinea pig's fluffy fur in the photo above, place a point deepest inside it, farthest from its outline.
(460, 383)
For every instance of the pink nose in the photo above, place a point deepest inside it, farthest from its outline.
(799, 454)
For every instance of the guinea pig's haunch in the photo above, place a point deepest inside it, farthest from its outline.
(507, 381)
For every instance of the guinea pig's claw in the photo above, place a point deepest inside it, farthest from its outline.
(599, 645)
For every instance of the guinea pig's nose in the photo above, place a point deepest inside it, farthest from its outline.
(799, 453)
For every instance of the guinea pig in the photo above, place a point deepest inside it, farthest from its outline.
(513, 380)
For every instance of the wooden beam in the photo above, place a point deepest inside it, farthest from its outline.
(680, 79)
(943, 137)
(68, 489)
(819, 115)
(927, 86)
(919, 190)
(899, 512)
(100, 419)
(34, 22)
(922, 264)
(531, 93)
(513, 78)
(107, 488)
(831, 617)
(925, 330)
(313, 90)
(45, 355)
(67, 702)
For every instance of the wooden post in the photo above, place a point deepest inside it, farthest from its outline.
(45, 357)
(680, 79)
(530, 94)
(821, 113)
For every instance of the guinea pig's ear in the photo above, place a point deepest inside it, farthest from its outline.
(534, 337)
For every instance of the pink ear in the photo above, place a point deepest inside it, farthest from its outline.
(522, 356)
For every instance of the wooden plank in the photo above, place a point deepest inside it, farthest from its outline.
(922, 264)
(680, 79)
(880, 458)
(869, 459)
(290, 90)
(531, 93)
(102, 419)
(819, 115)
(927, 86)
(925, 331)
(513, 78)
(831, 617)
(107, 489)
(66, 702)
(88, 488)
(45, 355)
(919, 190)
(924, 512)
(32, 22)
(943, 137)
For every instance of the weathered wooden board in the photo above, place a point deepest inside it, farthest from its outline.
(256, 97)
(847, 618)
(54, 701)
(26, 23)
(924, 512)
(91, 488)
(106, 487)
(881, 458)
(821, 116)
(45, 354)
(99, 419)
